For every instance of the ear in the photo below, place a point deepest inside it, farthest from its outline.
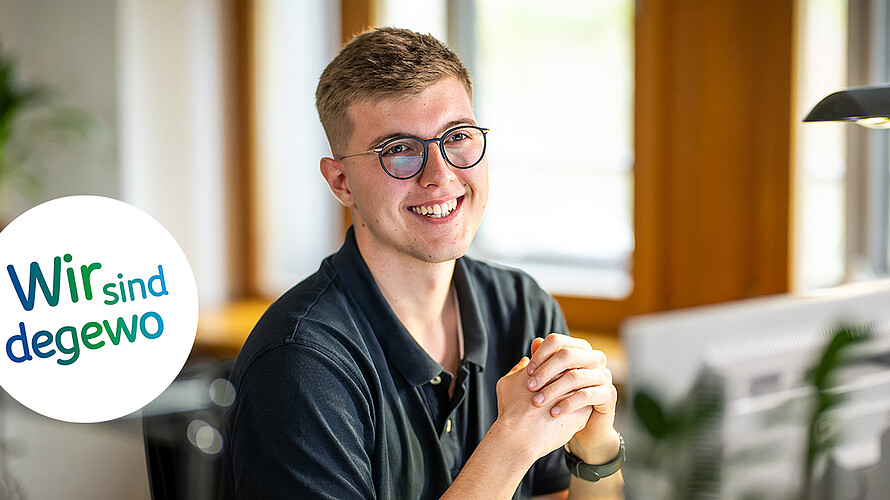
(333, 173)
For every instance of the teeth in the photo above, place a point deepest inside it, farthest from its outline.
(436, 211)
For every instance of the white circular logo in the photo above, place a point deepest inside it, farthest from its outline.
(98, 309)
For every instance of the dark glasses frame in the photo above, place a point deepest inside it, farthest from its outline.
(379, 150)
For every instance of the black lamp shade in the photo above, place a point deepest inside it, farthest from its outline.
(853, 104)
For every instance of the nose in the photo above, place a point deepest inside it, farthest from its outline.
(436, 171)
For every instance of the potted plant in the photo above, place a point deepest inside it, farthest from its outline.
(30, 115)
(681, 455)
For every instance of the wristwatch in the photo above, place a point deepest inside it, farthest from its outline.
(594, 473)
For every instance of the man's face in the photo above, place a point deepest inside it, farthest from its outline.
(385, 210)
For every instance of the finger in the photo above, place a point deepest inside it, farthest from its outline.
(601, 398)
(566, 358)
(536, 344)
(551, 345)
(608, 407)
(571, 381)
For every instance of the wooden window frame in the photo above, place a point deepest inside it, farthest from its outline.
(713, 157)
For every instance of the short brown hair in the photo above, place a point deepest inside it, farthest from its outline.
(377, 64)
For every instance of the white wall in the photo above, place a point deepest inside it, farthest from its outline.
(68, 46)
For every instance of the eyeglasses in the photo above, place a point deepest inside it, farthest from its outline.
(405, 157)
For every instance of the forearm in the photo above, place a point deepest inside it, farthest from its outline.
(495, 469)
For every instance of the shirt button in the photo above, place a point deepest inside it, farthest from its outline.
(436, 380)
(448, 425)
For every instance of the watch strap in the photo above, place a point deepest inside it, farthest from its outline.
(594, 473)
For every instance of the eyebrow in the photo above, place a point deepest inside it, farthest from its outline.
(385, 137)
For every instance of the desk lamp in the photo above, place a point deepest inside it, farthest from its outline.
(867, 106)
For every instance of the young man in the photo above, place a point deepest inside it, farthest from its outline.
(400, 369)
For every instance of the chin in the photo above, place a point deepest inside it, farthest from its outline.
(438, 259)
(444, 254)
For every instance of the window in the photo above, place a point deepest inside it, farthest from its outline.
(843, 204)
(703, 213)
(295, 212)
(821, 157)
(555, 84)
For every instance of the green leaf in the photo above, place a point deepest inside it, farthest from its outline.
(651, 415)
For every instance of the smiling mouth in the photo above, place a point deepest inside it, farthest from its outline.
(436, 211)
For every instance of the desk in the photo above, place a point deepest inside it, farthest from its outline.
(221, 333)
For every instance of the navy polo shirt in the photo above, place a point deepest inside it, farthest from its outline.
(335, 398)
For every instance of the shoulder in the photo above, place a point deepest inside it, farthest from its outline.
(310, 325)
(512, 305)
(305, 387)
(507, 284)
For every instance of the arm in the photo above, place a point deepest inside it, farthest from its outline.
(287, 441)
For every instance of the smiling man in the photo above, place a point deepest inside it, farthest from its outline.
(402, 369)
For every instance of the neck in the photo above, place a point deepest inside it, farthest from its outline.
(418, 293)
(416, 290)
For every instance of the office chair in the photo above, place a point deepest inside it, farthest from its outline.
(184, 433)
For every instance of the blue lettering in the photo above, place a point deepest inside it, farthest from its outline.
(158, 321)
(37, 344)
(158, 277)
(26, 356)
(36, 278)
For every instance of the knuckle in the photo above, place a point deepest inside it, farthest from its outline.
(578, 399)
(576, 375)
(599, 358)
(603, 394)
(552, 337)
(574, 397)
(605, 375)
(588, 393)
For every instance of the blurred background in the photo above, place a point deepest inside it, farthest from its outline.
(645, 156)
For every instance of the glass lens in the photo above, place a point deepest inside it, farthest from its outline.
(464, 146)
(402, 158)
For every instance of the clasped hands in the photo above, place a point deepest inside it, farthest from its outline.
(562, 395)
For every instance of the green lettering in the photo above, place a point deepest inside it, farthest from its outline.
(141, 285)
(74, 350)
(85, 272)
(115, 336)
(86, 335)
(109, 291)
